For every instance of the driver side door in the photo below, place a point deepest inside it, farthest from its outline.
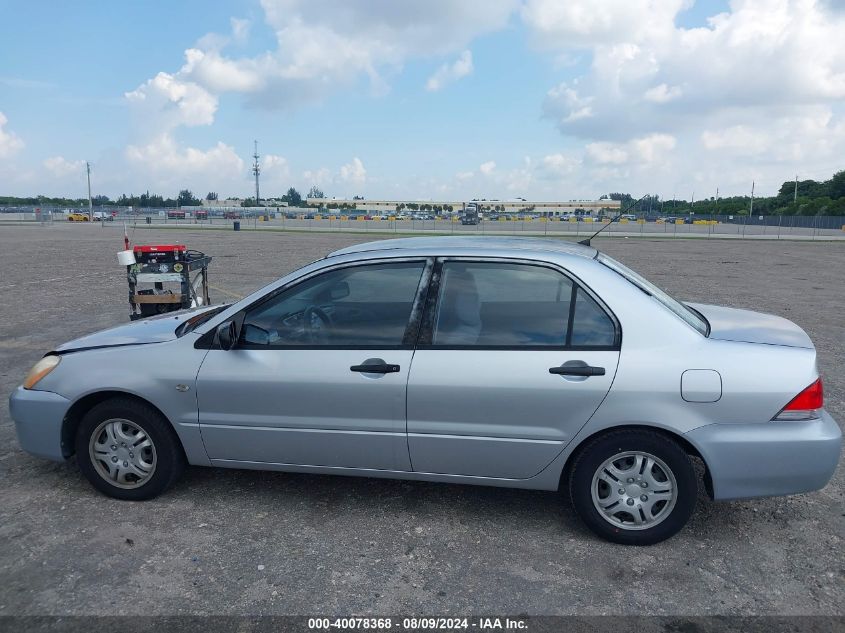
(298, 389)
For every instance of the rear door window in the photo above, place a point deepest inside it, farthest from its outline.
(508, 305)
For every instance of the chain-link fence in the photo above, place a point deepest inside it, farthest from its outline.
(757, 226)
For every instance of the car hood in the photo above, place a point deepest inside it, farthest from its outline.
(747, 326)
(156, 329)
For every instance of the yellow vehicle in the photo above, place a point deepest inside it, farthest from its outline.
(77, 217)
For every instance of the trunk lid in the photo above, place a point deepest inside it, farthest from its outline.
(747, 326)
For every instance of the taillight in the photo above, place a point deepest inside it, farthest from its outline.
(804, 406)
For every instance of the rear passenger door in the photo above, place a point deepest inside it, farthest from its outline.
(513, 358)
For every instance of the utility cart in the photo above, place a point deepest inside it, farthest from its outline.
(166, 278)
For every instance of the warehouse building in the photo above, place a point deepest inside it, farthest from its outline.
(554, 208)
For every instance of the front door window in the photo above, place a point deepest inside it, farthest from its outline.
(362, 306)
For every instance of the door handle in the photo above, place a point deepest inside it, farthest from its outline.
(376, 368)
(577, 370)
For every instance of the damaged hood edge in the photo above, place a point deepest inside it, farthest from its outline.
(157, 329)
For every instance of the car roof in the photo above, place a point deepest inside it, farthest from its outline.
(443, 245)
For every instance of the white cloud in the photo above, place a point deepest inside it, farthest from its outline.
(654, 147)
(647, 74)
(321, 176)
(218, 74)
(487, 168)
(275, 174)
(557, 165)
(10, 143)
(757, 92)
(584, 23)
(274, 165)
(164, 162)
(464, 175)
(813, 135)
(60, 167)
(607, 153)
(647, 149)
(174, 101)
(737, 138)
(240, 29)
(662, 93)
(565, 96)
(354, 172)
(323, 46)
(519, 179)
(449, 73)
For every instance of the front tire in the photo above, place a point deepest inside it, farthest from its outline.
(633, 487)
(127, 450)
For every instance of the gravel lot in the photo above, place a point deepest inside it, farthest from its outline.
(241, 542)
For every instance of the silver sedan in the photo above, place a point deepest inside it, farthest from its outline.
(511, 362)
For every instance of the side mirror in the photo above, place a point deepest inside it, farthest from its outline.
(227, 335)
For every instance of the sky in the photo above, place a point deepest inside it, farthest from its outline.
(421, 99)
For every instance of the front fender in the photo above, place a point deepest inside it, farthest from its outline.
(151, 372)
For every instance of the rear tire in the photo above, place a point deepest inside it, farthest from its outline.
(127, 450)
(633, 487)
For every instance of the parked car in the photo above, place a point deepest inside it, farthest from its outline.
(103, 216)
(521, 363)
(77, 217)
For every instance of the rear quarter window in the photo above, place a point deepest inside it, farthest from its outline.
(591, 325)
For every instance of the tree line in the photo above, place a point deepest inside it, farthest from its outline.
(186, 198)
(810, 197)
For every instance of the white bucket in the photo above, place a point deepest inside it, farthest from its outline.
(126, 258)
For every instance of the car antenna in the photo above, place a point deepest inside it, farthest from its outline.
(586, 242)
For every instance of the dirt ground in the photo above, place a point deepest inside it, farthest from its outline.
(242, 542)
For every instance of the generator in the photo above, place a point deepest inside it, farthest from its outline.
(164, 278)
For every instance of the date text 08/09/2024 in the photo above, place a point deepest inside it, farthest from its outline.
(418, 623)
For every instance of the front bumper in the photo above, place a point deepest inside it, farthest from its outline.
(38, 417)
(769, 458)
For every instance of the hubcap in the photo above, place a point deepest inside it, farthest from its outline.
(634, 490)
(122, 453)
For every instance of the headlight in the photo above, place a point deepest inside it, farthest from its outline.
(41, 369)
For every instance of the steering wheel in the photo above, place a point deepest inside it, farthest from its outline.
(317, 324)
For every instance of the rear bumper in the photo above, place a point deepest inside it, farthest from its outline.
(38, 417)
(770, 458)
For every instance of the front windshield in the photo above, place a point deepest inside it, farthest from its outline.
(692, 317)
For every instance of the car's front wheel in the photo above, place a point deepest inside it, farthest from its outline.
(127, 450)
(633, 487)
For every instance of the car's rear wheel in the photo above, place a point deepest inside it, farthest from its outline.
(633, 487)
(127, 450)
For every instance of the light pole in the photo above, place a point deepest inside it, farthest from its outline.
(90, 203)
